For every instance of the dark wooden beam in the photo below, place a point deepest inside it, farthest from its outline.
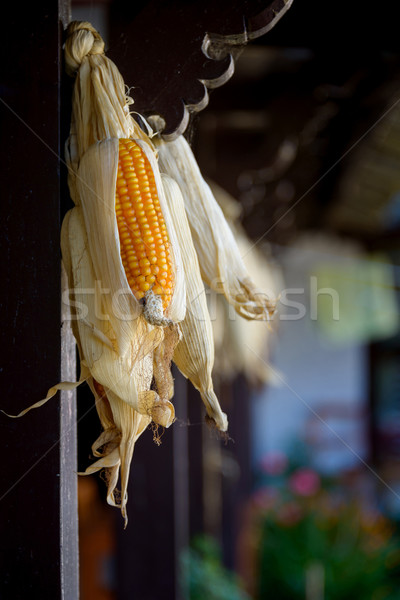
(38, 557)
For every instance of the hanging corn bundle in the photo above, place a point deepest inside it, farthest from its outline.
(136, 253)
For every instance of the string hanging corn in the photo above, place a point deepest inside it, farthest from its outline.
(133, 263)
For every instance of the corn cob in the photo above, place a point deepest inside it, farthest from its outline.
(144, 243)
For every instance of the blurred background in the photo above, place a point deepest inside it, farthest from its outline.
(302, 150)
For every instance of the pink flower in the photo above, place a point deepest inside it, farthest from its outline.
(289, 514)
(265, 498)
(305, 482)
(274, 463)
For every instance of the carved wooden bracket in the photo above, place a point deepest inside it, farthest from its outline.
(173, 52)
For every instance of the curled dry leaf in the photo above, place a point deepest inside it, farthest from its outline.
(194, 355)
(221, 265)
(242, 345)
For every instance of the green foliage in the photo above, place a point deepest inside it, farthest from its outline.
(302, 526)
(351, 569)
(203, 575)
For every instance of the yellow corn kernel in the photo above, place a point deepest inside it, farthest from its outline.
(145, 247)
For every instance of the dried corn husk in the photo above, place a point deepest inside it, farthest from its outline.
(118, 442)
(127, 377)
(241, 345)
(117, 344)
(125, 357)
(194, 355)
(100, 105)
(221, 265)
(127, 405)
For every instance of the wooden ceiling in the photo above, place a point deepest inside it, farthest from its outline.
(310, 112)
(309, 105)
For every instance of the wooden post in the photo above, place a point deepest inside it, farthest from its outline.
(38, 516)
(68, 462)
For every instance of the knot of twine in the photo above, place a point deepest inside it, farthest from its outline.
(82, 40)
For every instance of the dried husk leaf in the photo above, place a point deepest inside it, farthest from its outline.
(254, 338)
(131, 424)
(126, 405)
(96, 183)
(162, 358)
(194, 355)
(243, 346)
(119, 444)
(62, 386)
(109, 439)
(116, 438)
(100, 105)
(124, 376)
(221, 265)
